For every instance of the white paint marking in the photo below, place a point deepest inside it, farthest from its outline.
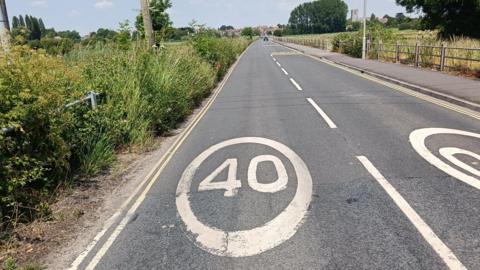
(274, 59)
(418, 138)
(257, 240)
(327, 119)
(151, 181)
(299, 88)
(278, 64)
(231, 185)
(450, 152)
(276, 186)
(284, 71)
(428, 234)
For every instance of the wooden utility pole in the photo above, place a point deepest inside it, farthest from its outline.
(147, 22)
(4, 26)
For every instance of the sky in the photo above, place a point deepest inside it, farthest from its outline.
(88, 15)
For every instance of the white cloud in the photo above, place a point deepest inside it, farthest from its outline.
(101, 4)
(39, 3)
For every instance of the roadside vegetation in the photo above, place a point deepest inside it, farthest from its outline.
(144, 92)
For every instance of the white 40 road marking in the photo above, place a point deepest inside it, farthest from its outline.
(232, 184)
(418, 138)
(260, 239)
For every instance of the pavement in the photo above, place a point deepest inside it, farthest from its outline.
(459, 90)
(298, 164)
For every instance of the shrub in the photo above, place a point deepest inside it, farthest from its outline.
(219, 52)
(32, 88)
(278, 33)
(348, 43)
(146, 93)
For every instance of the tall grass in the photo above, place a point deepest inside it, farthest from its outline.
(145, 93)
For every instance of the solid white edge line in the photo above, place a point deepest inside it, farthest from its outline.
(165, 159)
(322, 113)
(428, 234)
(284, 71)
(299, 88)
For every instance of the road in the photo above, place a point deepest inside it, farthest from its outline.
(298, 164)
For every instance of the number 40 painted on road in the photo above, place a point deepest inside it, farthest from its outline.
(232, 184)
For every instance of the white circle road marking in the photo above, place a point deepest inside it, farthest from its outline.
(418, 138)
(248, 242)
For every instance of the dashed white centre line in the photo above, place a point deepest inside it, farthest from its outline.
(278, 64)
(284, 71)
(428, 234)
(299, 88)
(327, 119)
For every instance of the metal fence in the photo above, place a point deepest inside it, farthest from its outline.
(91, 96)
(440, 57)
(324, 44)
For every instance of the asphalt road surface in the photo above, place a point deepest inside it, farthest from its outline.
(299, 164)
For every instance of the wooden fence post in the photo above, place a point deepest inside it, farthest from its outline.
(379, 49)
(443, 55)
(397, 52)
(417, 54)
(368, 48)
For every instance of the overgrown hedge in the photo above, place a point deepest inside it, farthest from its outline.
(145, 94)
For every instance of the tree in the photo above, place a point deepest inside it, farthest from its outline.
(15, 22)
(124, 35)
(400, 17)
(247, 32)
(278, 33)
(22, 21)
(450, 17)
(321, 16)
(144, 23)
(28, 22)
(42, 26)
(159, 17)
(226, 27)
(36, 32)
(73, 35)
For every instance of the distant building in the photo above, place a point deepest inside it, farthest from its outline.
(354, 15)
(384, 20)
(267, 30)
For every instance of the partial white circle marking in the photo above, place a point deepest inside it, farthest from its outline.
(450, 152)
(248, 242)
(418, 138)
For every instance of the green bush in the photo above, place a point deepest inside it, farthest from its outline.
(219, 52)
(348, 43)
(145, 93)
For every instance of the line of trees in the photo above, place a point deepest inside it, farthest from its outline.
(30, 28)
(35, 27)
(322, 16)
(460, 18)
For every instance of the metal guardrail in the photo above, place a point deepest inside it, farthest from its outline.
(91, 96)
